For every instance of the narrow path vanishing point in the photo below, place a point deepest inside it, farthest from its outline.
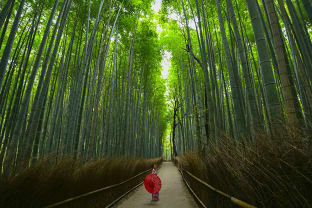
(173, 192)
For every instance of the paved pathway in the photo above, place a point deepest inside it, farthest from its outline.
(172, 194)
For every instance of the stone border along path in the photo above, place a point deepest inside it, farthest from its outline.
(173, 192)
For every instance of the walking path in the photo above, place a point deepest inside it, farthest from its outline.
(173, 192)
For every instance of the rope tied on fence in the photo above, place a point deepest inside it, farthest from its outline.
(95, 191)
(233, 199)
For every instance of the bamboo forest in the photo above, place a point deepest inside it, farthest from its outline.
(214, 94)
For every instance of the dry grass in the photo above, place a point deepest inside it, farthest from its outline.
(267, 174)
(46, 183)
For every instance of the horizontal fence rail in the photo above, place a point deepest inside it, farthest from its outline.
(100, 190)
(189, 187)
(233, 199)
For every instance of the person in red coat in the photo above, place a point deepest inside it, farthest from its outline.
(155, 196)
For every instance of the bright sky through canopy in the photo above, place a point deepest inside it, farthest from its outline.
(156, 6)
(165, 63)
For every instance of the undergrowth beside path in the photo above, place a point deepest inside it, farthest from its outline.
(46, 183)
(268, 174)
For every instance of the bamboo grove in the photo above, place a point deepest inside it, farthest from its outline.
(83, 77)
(240, 69)
(80, 78)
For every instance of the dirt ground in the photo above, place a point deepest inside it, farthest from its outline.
(172, 194)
